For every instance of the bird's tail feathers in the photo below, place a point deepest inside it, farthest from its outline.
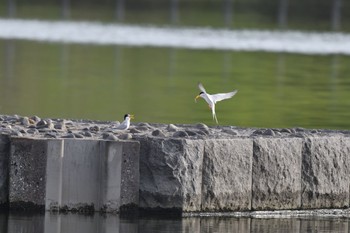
(214, 115)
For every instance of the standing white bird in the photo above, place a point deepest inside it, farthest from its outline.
(213, 99)
(126, 123)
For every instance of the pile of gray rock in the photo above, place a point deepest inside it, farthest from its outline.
(36, 127)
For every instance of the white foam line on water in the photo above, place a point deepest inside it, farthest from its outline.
(190, 38)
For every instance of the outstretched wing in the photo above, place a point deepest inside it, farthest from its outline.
(223, 96)
(200, 86)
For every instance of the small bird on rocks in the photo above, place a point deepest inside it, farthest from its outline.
(126, 123)
(213, 99)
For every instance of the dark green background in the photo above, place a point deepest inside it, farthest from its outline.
(159, 84)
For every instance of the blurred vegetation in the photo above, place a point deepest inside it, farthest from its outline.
(159, 84)
(300, 14)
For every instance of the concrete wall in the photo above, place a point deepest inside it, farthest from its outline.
(227, 175)
(252, 173)
(325, 172)
(4, 157)
(171, 172)
(80, 175)
(240, 173)
(276, 174)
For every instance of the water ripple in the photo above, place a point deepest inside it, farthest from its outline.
(190, 38)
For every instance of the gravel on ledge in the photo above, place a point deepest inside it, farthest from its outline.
(36, 127)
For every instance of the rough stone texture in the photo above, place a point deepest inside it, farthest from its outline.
(326, 170)
(227, 175)
(276, 173)
(27, 176)
(4, 160)
(171, 173)
(185, 167)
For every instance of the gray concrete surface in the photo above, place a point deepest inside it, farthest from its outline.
(263, 172)
(227, 175)
(4, 160)
(171, 173)
(27, 173)
(74, 175)
(188, 168)
(325, 172)
(276, 177)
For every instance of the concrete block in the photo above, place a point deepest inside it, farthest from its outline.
(27, 173)
(78, 175)
(130, 174)
(88, 175)
(53, 200)
(4, 160)
(227, 174)
(171, 173)
(276, 177)
(121, 177)
(326, 170)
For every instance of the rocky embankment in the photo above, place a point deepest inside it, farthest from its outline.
(187, 168)
(35, 127)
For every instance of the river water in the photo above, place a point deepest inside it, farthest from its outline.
(98, 60)
(75, 223)
(102, 59)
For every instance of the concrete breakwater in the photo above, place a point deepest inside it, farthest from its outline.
(79, 165)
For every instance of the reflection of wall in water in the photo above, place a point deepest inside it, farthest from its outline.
(336, 14)
(282, 9)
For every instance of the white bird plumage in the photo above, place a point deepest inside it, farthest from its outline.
(126, 123)
(213, 99)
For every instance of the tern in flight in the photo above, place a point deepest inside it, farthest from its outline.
(126, 123)
(213, 99)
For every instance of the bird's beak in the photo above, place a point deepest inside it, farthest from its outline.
(132, 116)
(195, 99)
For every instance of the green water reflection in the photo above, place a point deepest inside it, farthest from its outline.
(320, 15)
(75, 223)
(159, 84)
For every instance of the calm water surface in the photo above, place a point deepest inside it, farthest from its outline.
(104, 59)
(288, 59)
(75, 223)
(159, 84)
